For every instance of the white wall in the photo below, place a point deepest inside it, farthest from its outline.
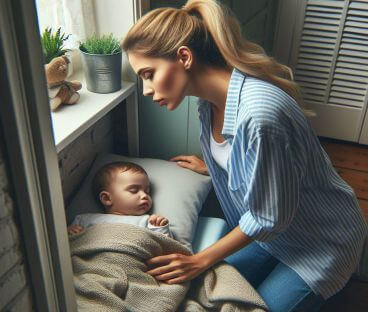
(116, 17)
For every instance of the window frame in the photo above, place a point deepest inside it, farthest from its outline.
(32, 157)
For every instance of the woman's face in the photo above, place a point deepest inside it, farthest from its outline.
(166, 81)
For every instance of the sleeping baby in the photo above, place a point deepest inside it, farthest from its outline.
(123, 188)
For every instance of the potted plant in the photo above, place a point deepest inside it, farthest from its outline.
(101, 57)
(53, 44)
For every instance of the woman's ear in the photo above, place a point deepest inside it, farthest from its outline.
(185, 56)
(105, 198)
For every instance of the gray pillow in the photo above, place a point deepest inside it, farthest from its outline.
(177, 193)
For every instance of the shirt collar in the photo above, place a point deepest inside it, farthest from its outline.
(232, 102)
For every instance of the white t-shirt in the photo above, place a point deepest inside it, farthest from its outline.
(89, 219)
(220, 152)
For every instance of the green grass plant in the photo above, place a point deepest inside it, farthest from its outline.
(52, 44)
(106, 44)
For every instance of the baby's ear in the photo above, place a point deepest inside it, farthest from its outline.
(105, 198)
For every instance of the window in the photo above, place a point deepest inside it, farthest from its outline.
(80, 19)
(76, 18)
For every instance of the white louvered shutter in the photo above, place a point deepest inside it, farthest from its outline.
(331, 65)
(350, 79)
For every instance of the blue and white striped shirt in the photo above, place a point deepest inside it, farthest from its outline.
(281, 187)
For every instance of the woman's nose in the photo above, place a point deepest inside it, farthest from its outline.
(147, 90)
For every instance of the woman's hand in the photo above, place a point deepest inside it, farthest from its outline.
(191, 162)
(177, 268)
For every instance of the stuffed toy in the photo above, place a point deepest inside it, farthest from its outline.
(60, 90)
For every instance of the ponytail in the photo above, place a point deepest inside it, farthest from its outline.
(213, 33)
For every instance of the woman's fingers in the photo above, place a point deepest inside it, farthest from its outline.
(181, 158)
(177, 268)
(170, 270)
(185, 164)
(160, 270)
(192, 162)
(178, 280)
(161, 260)
(169, 275)
(185, 161)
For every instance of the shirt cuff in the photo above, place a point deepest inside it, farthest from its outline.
(163, 229)
(254, 230)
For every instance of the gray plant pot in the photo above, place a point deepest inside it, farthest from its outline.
(102, 72)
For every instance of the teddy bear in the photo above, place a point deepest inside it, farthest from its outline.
(61, 91)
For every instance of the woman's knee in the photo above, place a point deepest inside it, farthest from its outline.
(253, 262)
(308, 302)
(285, 291)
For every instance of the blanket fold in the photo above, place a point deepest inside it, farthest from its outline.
(109, 275)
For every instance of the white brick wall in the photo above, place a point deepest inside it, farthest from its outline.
(21, 302)
(107, 135)
(15, 293)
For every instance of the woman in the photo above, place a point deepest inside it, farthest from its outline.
(300, 222)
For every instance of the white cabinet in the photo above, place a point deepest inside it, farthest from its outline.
(364, 135)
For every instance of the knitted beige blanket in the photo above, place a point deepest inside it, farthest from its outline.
(109, 275)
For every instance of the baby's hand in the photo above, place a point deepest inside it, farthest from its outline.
(158, 220)
(75, 229)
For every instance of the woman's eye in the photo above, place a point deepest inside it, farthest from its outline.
(148, 76)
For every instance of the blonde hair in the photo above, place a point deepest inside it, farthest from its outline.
(213, 33)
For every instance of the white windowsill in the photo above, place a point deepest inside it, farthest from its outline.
(70, 121)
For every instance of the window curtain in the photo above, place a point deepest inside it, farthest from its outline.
(75, 17)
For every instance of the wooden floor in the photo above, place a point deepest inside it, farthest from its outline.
(351, 162)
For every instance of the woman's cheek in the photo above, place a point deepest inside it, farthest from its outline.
(167, 81)
(174, 81)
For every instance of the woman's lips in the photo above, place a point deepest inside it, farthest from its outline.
(162, 102)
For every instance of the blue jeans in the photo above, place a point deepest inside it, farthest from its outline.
(281, 288)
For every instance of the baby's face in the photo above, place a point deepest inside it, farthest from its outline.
(130, 194)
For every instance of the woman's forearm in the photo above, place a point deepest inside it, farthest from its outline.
(227, 245)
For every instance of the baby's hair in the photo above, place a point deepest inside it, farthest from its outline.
(104, 176)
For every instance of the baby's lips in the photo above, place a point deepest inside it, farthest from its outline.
(144, 205)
